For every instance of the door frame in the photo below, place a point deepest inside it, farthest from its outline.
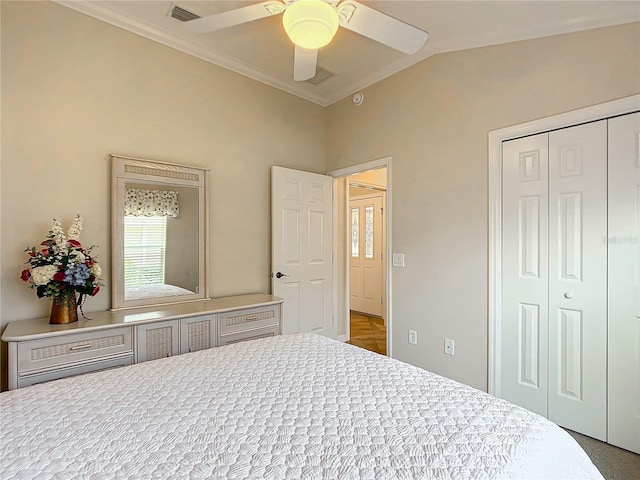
(344, 281)
(496, 137)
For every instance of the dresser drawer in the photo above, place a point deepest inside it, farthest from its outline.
(249, 335)
(249, 319)
(40, 355)
(74, 371)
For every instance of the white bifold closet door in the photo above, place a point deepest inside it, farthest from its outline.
(525, 278)
(554, 276)
(624, 282)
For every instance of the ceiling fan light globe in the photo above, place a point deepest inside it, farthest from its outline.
(310, 24)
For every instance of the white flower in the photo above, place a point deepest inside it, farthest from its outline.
(58, 233)
(78, 256)
(43, 275)
(75, 228)
(96, 270)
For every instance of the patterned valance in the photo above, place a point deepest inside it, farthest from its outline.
(149, 203)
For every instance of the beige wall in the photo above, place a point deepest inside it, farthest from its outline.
(433, 120)
(75, 89)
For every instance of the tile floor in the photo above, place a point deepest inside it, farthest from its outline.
(368, 332)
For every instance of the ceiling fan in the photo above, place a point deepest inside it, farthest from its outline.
(311, 24)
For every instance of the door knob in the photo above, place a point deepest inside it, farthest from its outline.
(280, 275)
(568, 295)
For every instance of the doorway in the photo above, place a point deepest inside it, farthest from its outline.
(362, 209)
(366, 252)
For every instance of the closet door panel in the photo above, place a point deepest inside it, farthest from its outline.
(524, 326)
(624, 282)
(578, 278)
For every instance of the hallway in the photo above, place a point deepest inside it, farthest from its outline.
(368, 332)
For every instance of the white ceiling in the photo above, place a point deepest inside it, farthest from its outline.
(262, 51)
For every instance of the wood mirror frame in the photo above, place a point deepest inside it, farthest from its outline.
(190, 251)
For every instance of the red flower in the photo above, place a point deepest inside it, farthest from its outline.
(25, 275)
(74, 243)
(59, 276)
(32, 253)
(45, 251)
(96, 289)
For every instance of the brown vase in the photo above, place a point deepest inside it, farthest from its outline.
(64, 309)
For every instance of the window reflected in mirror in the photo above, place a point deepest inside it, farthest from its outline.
(145, 244)
(158, 236)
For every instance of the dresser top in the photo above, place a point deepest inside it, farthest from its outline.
(22, 330)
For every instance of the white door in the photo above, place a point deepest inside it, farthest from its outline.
(554, 276)
(525, 256)
(624, 282)
(578, 278)
(302, 240)
(365, 255)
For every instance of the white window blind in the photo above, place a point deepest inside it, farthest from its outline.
(145, 240)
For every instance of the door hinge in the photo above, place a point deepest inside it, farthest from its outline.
(381, 211)
(380, 300)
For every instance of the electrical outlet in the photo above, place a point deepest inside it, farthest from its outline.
(413, 337)
(448, 346)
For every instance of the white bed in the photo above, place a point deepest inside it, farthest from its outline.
(288, 407)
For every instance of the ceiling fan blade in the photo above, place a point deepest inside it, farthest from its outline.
(304, 64)
(237, 16)
(380, 27)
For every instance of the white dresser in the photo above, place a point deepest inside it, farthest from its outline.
(39, 352)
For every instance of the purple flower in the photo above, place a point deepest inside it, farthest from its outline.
(77, 275)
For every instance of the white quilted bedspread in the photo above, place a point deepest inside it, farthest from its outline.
(289, 407)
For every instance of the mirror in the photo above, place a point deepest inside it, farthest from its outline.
(158, 224)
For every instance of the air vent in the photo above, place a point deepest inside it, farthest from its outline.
(320, 76)
(181, 14)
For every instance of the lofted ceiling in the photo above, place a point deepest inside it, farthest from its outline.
(261, 49)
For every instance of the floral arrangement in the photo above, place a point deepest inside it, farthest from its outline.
(62, 265)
